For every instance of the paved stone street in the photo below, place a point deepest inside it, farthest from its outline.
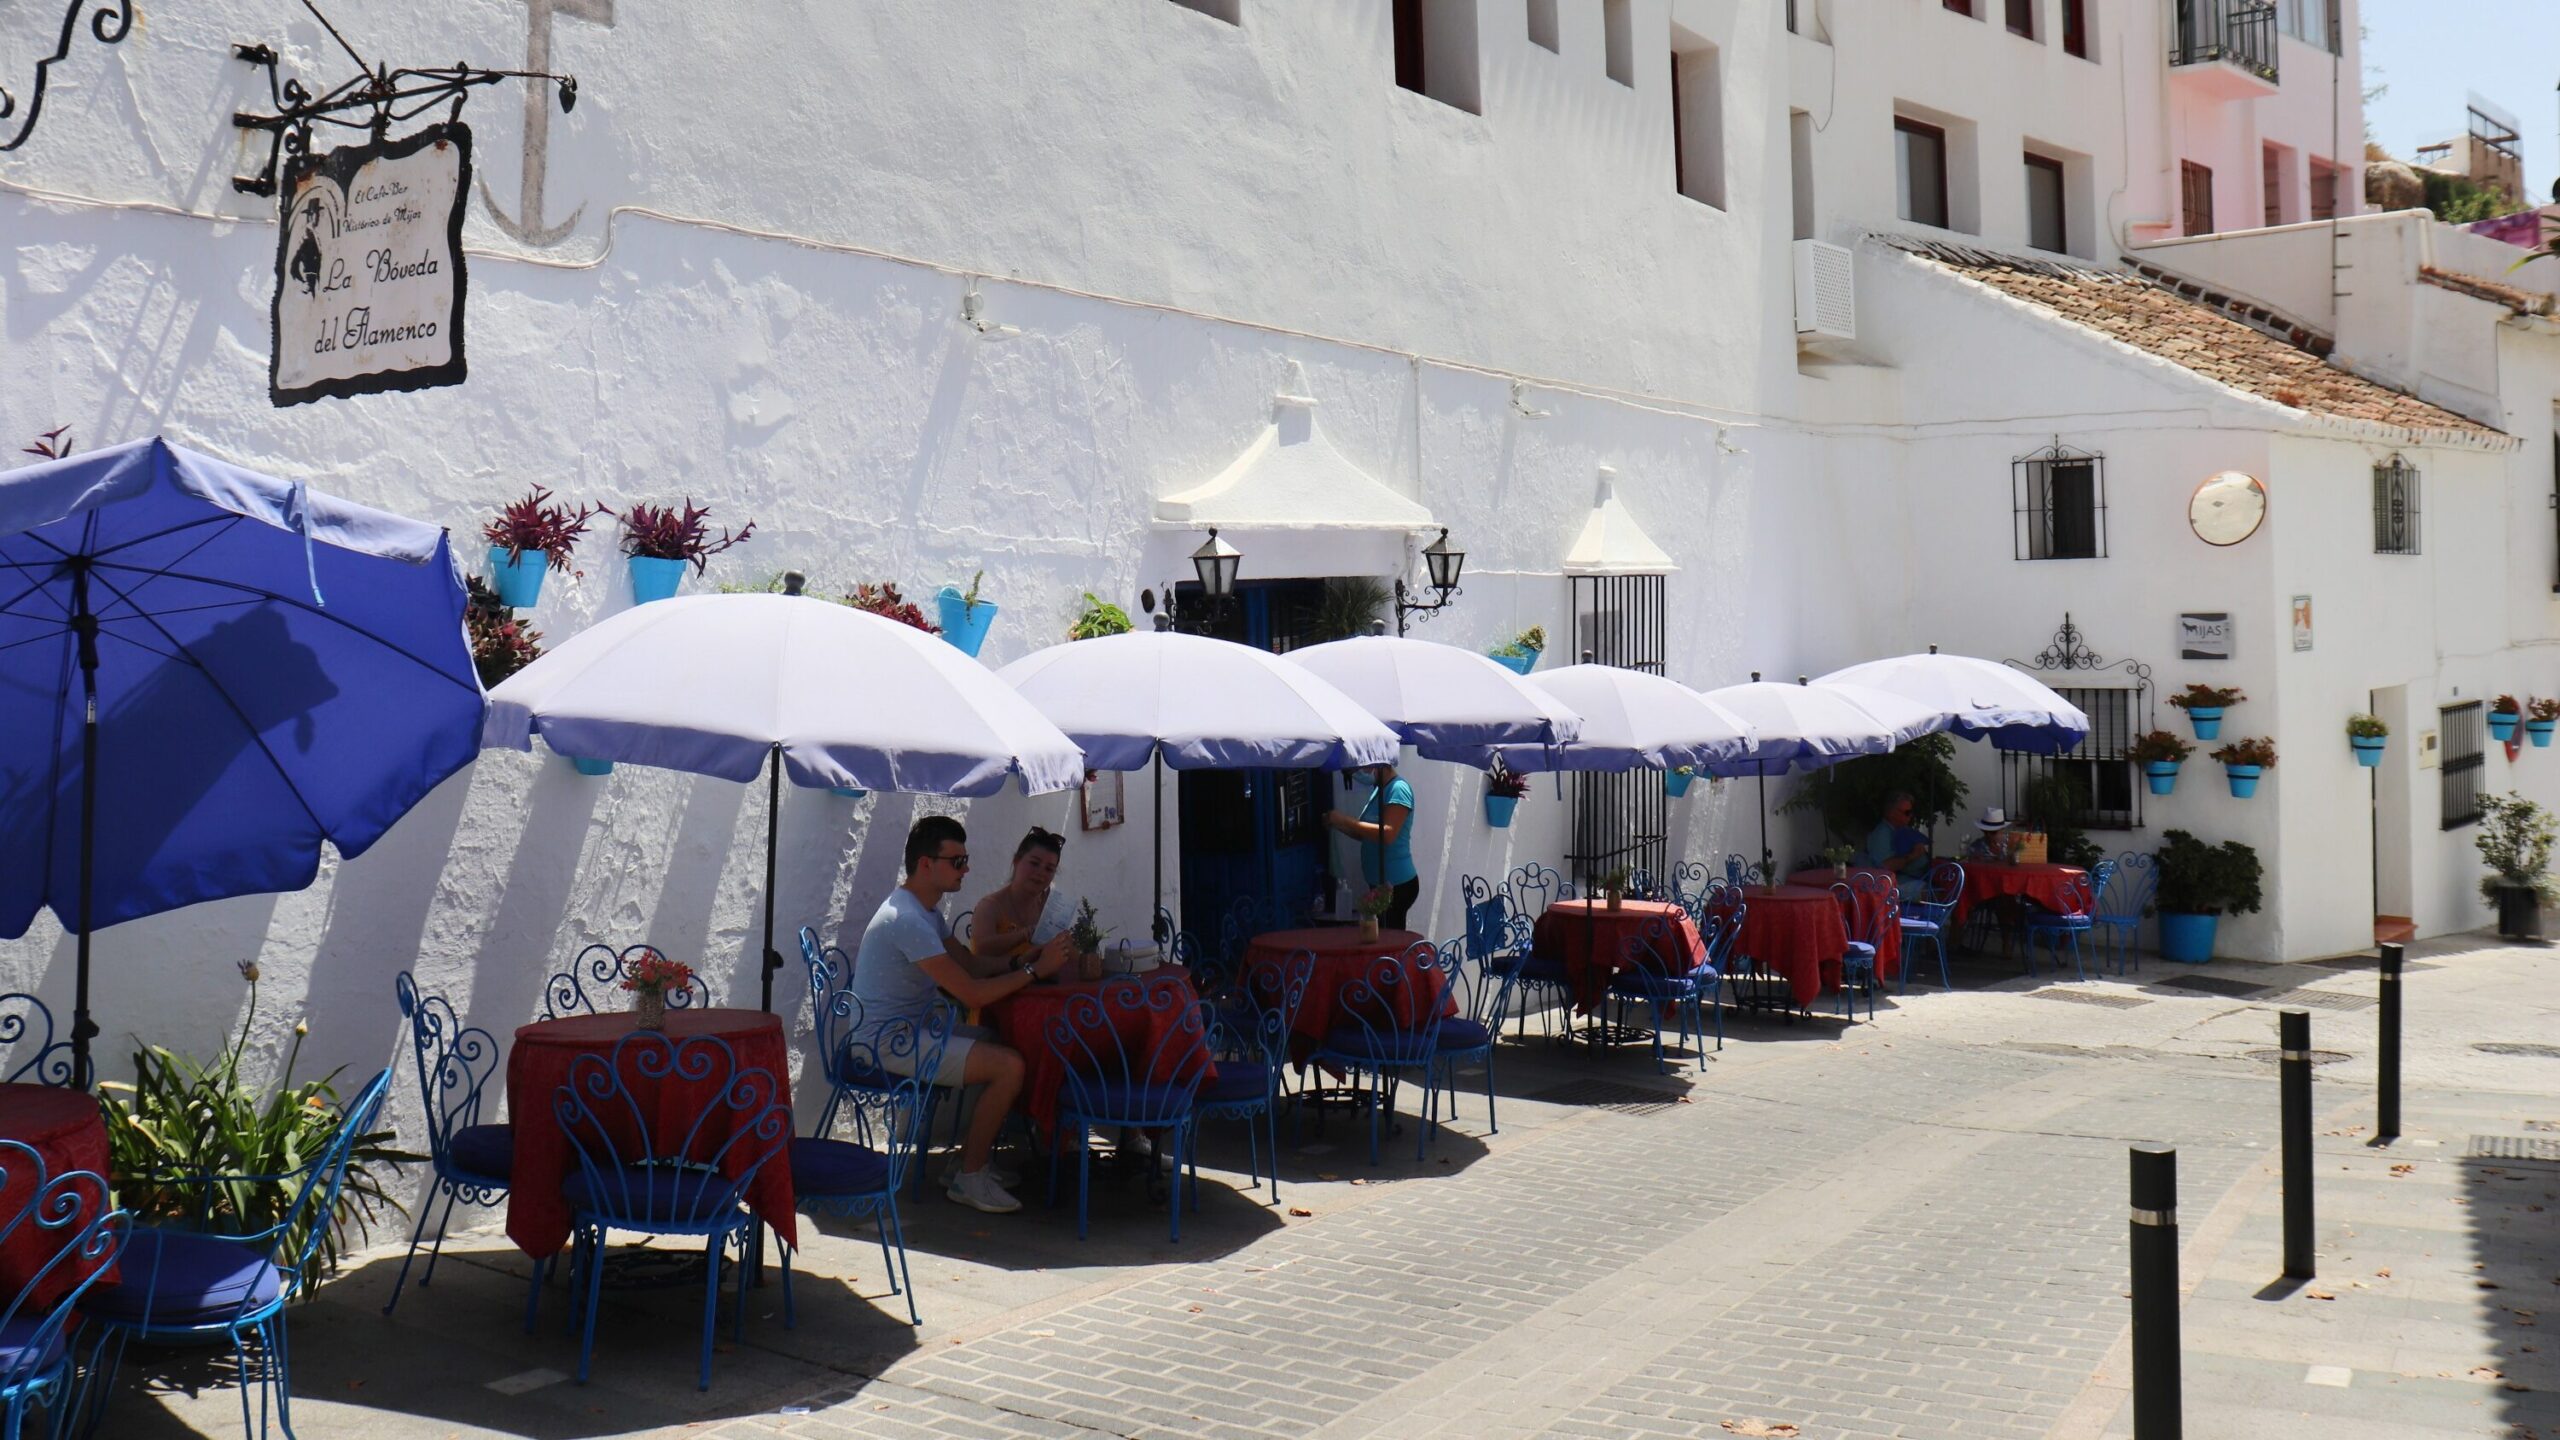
(1910, 1228)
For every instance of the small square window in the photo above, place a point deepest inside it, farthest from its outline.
(2060, 505)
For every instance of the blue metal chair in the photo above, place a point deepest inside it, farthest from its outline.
(1533, 887)
(35, 1329)
(1689, 881)
(842, 1029)
(1740, 871)
(1660, 973)
(629, 1177)
(473, 1160)
(182, 1287)
(857, 1181)
(1387, 1032)
(1113, 1081)
(1483, 995)
(565, 993)
(1529, 890)
(2121, 903)
(1871, 907)
(26, 1035)
(1249, 916)
(1251, 1042)
(2077, 917)
(1927, 920)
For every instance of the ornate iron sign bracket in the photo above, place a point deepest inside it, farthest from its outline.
(109, 24)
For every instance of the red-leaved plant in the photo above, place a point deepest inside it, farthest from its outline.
(884, 601)
(668, 532)
(501, 644)
(53, 444)
(535, 523)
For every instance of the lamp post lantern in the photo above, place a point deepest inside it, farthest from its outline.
(1445, 564)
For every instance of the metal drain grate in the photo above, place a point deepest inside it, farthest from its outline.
(2328, 999)
(2216, 985)
(2509, 1047)
(2512, 1147)
(2107, 998)
(2271, 1056)
(1611, 1095)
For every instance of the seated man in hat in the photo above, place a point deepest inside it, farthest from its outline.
(1993, 840)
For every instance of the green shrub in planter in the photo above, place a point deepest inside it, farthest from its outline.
(2515, 840)
(2199, 884)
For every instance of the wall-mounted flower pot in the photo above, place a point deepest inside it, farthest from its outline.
(1498, 808)
(2208, 721)
(2539, 732)
(963, 624)
(518, 581)
(2502, 725)
(2368, 749)
(2187, 939)
(654, 579)
(2244, 779)
(844, 792)
(592, 767)
(1675, 784)
(1520, 664)
(2162, 775)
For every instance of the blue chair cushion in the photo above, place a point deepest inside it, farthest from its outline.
(20, 1357)
(1861, 950)
(652, 1193)
(1542, 970)
(174, 1278)
(837, 1167)
(1919, 927)
(484, 1151)
(2043, 920)
(1238, 1082)
(1118, 1102)
(1461, 1034)
(1646, 985)
(1365, 1047)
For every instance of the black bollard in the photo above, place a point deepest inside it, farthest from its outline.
(2157, 1409)
(2387, 1104)
(2293, 1038)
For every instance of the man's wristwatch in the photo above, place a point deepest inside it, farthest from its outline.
(1029, 966)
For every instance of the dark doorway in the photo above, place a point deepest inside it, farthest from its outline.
(1255, 834)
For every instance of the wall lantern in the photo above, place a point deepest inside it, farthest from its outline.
(1216, 562)
(1445, 564)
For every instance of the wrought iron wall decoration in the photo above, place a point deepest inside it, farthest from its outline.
(2109, 795)
(110, 23)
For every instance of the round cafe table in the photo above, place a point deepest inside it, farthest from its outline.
(1987, 880)
(1591, 939)
(1888, 937)
(1145, 1035)
(1341, 958)
(1795, 931)
(538, 1215)
(64, 1127)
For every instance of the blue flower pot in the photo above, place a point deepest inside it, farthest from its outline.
(654, 579)
(2502, 725)
(518, 581)
(2162, 775)
(593, 767)
(2244, 779)
(2187, 939)
(1498, 808)
(2539, 732)
(844, 792)
(2368, 749)
(2207, 720)
(963, 625)
(1676, 784)
(1520, 664)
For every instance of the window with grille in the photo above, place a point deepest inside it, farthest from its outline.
(2395, 508)
(2060, 507)
(1618, 819)
(2195, 197)
(2462, 766)
(2106, 786)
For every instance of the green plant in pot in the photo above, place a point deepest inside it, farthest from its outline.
(2199, 884)
(1521, 651)
(1613, 886)
(1504, 788)
(1097, 619)
(2159, 753)
(966, 616)
(1838, 857)
(2366, 735)
(1851, 796)
(2515, 840)
(2204, 705)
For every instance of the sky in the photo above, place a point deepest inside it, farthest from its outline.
(2430, 52)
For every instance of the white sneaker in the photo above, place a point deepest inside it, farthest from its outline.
(1136, 1142)
(1003, 1174)
(979, 1191)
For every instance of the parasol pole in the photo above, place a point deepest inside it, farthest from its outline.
(772, 828)
(1768, 861)
(84, 625)
(1157, 920)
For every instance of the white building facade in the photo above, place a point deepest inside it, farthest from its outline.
(927, 289)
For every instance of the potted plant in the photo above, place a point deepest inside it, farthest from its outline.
(501, 644)
(2542, 714)
(2504, 712)
(965, 617)
(2159, 753)
(1099, 618)
(662, 539)
(1613, 885)
(884, 601)
(652, 976)
(586, 766)
(1838, 858)
(2366, 734)
(1521, 651)
(1675, 781)
(2515, 841)
(1373, 902)
(2199, 884)
(2243, 761)
(2204, 705)
(528, 540)
(1503, 787)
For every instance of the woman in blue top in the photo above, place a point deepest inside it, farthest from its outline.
(1384, 828)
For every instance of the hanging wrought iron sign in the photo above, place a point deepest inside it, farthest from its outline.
(110, 24)
(369, 268)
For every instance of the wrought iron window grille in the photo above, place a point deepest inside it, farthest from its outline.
(2236, 32)
(2463, 763)
(2119, 706)
(1620, 819)
(2059, 504)
(108, 24)
(2395, 507)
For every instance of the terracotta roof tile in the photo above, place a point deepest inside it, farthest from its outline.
(2202, 337)
(2522, 302)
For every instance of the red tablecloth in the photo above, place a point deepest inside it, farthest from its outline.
(1989, 880)
(1022, 1020)
(65, 1128)
(537, 1214)
(1888, 937)
(1341, 957)
(1796, 931)
(1591, 939)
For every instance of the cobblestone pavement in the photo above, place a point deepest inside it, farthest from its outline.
(1911, 1228)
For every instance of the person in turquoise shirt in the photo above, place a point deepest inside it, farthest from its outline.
(1384, 828)
(1899, 846)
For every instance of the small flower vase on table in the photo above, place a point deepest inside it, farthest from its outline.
(1368, 928)
(650, 978)
(649, 1009)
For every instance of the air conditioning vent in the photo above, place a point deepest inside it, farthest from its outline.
(1826, 291)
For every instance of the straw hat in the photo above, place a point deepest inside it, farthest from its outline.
(1994, 820)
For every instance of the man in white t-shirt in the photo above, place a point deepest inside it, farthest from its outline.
(908, 960)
